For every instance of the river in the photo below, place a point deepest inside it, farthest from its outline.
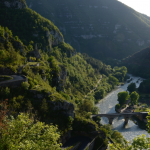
(107, 105)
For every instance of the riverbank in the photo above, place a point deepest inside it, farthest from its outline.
(107, 105)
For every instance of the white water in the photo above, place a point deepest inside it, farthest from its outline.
(107, 105)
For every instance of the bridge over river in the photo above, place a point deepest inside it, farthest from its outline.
(111, 116)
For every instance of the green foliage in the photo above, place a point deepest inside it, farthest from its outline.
(44, 106)
(112, 80)
(139, 64)
(25, 85)
(95, 110)
(84, 35)
(120, 72)
(4, 78)
(100, 142)
(82, 124)
(68, 75)
(117, 106)
(67, 48)
(97, 119)
(131, 87)
(23, 133)
(99, 94)
(134, 97)
(144, 86)
(30, 27)
(123, 97)
(10, 55)
(5, 92)
(117, 136)
(139, 142)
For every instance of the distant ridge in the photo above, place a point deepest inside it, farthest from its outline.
(101, 28)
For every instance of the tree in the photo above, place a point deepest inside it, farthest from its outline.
(44, 106)
(99, 94)
(22, 133)
(5, 93)
(113, 80)
(117, 106)
(134, 97)
(3, 112)
(123, 97)
(25, 85)
(131, 87)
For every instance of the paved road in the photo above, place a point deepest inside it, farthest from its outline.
(15, 78)
(84, 142)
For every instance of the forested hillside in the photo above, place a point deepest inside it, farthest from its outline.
(56, 80)
(101, 28)
(139, 63)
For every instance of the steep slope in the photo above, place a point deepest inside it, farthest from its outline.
(18, 4)
(139, 63)
(141, 58)
(101, 28)
(29, 25)
(57, 77)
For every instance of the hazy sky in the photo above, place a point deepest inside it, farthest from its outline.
(142, 6)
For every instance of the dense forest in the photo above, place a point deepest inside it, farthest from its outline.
(56, 75)
(138, 63)
(56, 97)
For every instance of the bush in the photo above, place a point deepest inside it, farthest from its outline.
(117, 106)
(99, 141)
(131, 87)
(124, 106)
(22, 133)
(97, 119)
(25, 85)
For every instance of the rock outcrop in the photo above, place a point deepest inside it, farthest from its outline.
(58, 38)
(35, 52)
(6, 71)
(18, 4)
(66, 107)
(59, 80)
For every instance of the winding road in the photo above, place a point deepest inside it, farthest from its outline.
(17, 80)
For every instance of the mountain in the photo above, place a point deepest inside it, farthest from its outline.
(33, 46)
(141, 58)
(15, 4)
(139, 63)
(46, 78)
(101, 28)
(29, 25)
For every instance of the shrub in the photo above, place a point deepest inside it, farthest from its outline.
(124, 106)
(22, 133)
(117, 106)
(25, 85)
(100, 142)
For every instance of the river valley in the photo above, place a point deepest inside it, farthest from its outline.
(107, 105)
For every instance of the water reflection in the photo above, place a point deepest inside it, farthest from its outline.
(107, 105)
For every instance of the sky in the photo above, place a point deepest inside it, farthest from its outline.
(142, 6)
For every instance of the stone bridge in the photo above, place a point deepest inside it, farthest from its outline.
(140, 115)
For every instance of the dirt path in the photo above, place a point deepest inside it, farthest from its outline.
(94, 88)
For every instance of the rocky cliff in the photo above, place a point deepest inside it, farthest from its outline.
(18, 4)
(29, 25)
